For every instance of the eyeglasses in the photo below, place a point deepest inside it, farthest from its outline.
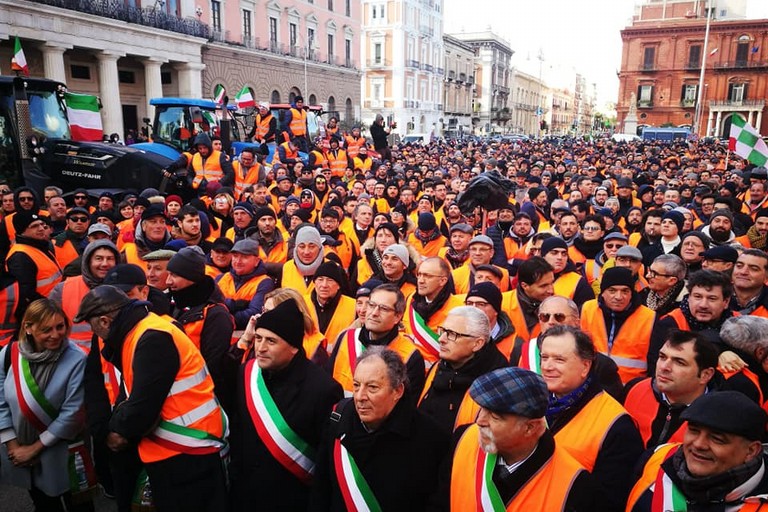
(591, 228)
(80, 197)
(373, 306)
(420, 275)
(452, 336)
(558, 317)
(26, 199)
(652, 273)
(614, 246)
(476, 303)
(79, 219)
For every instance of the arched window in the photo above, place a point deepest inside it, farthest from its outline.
(293, 93)
(348, 113)
(331, 104)
(275, 98)
(742, 51)
(312, 99)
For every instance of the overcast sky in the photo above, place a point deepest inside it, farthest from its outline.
(581, 34)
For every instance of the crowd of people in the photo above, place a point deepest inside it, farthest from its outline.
(334, 333)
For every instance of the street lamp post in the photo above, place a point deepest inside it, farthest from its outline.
(539, 107)
(700, 88)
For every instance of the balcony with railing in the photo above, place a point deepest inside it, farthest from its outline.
(414, 64)
(428, 68)
(427, 30)
(502, 89)
(644, 103)
(378, 63)
(440, 71)
(737, 103)
(741, 64)
(451, 75)
(147, 16)
(693, 66)
(648, 68)
(688, 102)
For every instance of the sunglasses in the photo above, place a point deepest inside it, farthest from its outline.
(81, 197)
(26, 199)
(614, 246)
(558, 317)
(79, 219)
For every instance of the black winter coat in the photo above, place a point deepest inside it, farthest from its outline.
(305, 395)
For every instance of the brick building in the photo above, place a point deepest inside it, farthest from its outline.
(661, 64)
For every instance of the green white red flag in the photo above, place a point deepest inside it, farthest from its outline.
(84, 116)
(746, 142)
(244, 98)
(218, 93)
(19, 61)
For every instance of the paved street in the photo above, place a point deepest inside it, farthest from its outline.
(14, 499)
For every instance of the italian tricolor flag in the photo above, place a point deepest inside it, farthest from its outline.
(84, 116)
(218, 93)
(19, 61)
(746, 142)
(244, 98)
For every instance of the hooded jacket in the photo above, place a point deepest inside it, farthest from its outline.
(228, 177)
(85, 267)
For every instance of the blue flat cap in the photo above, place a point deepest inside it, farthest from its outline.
(727, 411)
(511, 391)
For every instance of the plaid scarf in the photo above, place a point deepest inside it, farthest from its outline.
(701, 326)
(559, 405)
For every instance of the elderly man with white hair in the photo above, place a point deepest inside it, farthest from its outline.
(747, 336)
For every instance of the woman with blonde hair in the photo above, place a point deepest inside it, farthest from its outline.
(41, 409)
(315, 344)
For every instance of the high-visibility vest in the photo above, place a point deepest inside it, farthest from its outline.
(642, 405)
(65, 253)
(353, 145)
(431, 248)
(342, 317)
(518, 318)
(468, 408)
(292, 279)
(565, 285)
(8, 219)
(190, 402)
(546, 490)
(436, 320)
(650, 472)
(111, 375)
(337, 162)
(362, 165)
(298, 124)
(755, 380)
(461, 278)
(343, 369)
(131, 252)
(345, 251)
(277, 254)
(9, 301)
(48, 270)
(288, 153)
(208, 169)
(320, 160)
(72, 293)
(194, 326)
(246, 291)
(584, 434)
(630, 344)
(262, 127)
(243, 180)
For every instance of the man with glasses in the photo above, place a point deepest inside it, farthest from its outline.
(384, 310)
(619, 323)
(71, 243)
(81, 199)
(666, 284)
(466, 352)
(568, 281)
(336, 241)
(486, 297)
(480, 253)
(427, 308)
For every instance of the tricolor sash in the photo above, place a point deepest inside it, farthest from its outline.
(531, 359)
(355, 348)
(488, 497)
(667, 496)
(356, 492)
(283, 443)
(34, 406)
(423, 334)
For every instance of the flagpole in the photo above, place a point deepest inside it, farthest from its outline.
(700, 88)
(727, 157)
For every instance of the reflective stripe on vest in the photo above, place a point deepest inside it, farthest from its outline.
(337, 162)
(48, 270)
(262, 126)
(288, 153)
(210, 169)
(72, 294)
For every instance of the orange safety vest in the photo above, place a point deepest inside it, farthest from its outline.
(755, 380)
(468, 408)
(320, 160)
(48, 270)
(565, 285)
(246, 291)
(437, 319)
(8, 219)
(462, 274)
(345, 251)
(190, 402)
(642, 405)
(262, 126)
(9, 301)
(650, 472)
(131, 251)
(584, 434)
(292, 279)
(278, 253)
(353, 145)
(194, 327)
(547, 490)
(111, 375)
(518, 319)
(243, 180)
(362, 165)
(288, 153)
(72, 294)
(66, 253)
(337, 162)
(431, 249)
(208, 169)
(630, 344)
(342, 317)
(298, 124)
(343, 368)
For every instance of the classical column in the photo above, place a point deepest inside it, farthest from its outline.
(709, 123)
(749, 117)
(53, 61)
(109, 92)
(759, 119)
(153, 84)
(717, 123)
(190, 80)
